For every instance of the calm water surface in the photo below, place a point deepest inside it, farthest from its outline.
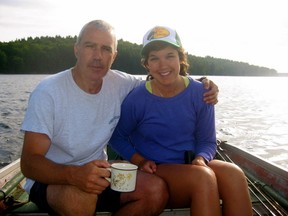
(252, 113)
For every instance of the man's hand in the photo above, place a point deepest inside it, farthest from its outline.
(211, 96)
(90, 177)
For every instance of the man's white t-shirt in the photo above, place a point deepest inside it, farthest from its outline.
(78, 124)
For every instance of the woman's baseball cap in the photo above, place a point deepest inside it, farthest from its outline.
(161, 33)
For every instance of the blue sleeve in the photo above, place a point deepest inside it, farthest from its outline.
(127, 123)
(205, 131)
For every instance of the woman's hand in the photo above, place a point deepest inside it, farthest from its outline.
(147, 166)
(199, 161)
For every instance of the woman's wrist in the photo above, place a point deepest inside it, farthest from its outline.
(141, 163)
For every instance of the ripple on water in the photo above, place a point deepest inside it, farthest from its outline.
(5, 113)
(4, 126)
(6, 157)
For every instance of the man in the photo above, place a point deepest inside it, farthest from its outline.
(69, 121)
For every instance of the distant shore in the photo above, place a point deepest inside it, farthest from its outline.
(282, 74)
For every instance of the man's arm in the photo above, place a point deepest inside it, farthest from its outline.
(34, 165)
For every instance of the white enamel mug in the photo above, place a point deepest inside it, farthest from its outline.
(123, 177)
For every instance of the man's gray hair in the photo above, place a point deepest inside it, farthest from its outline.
(98, 24)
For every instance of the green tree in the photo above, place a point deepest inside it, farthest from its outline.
(53, 54)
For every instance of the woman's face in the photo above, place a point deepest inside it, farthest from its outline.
(164, 65)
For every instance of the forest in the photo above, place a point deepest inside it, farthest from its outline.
(48, 55)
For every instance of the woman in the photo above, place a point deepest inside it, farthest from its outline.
(164, 122)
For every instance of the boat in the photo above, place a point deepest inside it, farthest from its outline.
(268, 182)
(268, 186)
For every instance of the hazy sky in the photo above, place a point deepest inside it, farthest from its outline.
(252, 31)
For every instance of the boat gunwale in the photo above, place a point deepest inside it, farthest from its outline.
(275, 176)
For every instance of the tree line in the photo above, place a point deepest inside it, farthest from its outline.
(47, 55)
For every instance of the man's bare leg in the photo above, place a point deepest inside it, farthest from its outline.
(149, 198)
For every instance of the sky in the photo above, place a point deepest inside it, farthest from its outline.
(251, 31)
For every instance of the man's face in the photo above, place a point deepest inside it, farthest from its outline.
(95, 53)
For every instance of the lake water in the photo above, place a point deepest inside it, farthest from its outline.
(252, 113)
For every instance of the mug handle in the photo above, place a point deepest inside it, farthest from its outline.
(108, 179)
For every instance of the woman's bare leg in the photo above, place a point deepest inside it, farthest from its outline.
(233, 188)
(191, 186)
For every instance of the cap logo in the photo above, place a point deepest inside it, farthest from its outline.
(161, 33)
(158, 32)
